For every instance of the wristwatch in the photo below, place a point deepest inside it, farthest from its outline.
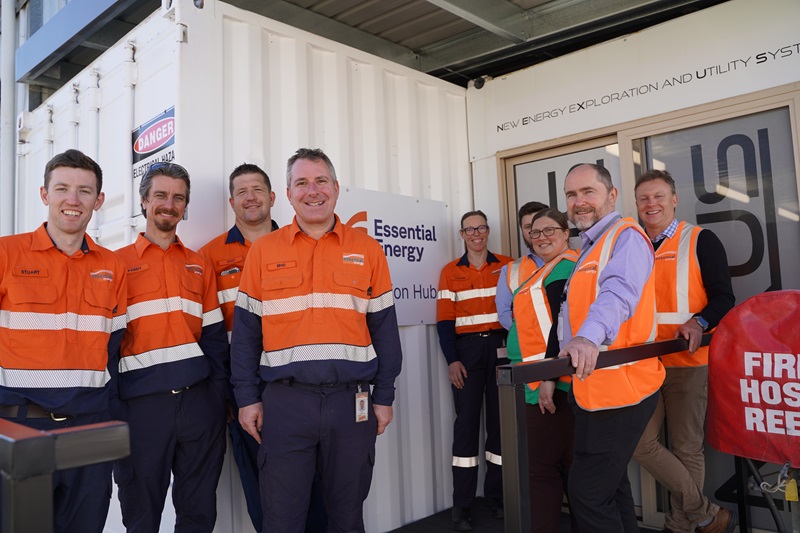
(702, 321)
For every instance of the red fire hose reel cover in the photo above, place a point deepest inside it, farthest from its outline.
(754, 380)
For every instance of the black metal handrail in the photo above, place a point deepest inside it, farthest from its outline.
(511, 381)
(29, 457)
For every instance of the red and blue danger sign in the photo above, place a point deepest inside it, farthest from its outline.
(154, 135)
(754, 380)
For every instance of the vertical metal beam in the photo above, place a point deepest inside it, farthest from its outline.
(27, 505)
(514, 439)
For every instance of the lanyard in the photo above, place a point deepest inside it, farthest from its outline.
(583, 253)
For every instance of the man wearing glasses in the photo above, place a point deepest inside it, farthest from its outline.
(473, 341)
(173, 369)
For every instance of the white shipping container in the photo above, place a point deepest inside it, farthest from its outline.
(248, 89)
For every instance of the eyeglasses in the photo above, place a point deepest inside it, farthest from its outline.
(547, 232)
(483, 228)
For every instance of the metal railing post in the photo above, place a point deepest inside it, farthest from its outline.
(29, 457)
(511, 380)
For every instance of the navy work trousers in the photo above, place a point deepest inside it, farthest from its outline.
(182, 433)
(81, 496)
(599, 489)
(313, 429)
(245, 452)
(479, 356)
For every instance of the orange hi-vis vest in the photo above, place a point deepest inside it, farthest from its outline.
(532, 314)
(679, 291)
(466, 294)
(519, 270)
(619, 385)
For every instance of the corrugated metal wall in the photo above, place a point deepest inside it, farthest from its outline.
(246, 88)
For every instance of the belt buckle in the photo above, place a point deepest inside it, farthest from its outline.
(56, 418)
(178, 391)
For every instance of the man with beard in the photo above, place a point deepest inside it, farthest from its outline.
(513, 274)
(251, 199)
(173, 369)
(609, 303)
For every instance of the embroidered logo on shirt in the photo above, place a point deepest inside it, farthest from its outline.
(195, 269)
(353, 259)
(105, 275)
(588, 268)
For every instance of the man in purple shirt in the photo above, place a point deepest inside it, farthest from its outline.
(606, 436)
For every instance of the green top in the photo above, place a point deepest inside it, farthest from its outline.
(560, 272)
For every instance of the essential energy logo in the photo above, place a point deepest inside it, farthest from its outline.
(398, 240)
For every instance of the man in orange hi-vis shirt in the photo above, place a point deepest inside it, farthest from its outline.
(473, 344)
(62, 316)
(173, 368)
(315, 323)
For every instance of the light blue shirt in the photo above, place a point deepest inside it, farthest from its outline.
(503, 297)
(621, 283)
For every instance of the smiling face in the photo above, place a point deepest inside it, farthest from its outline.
(548, 247)
(477, 242)
(165, 203)
(251, 199)
(656, 205)
(588, 198)
(313, 193)
(71, 196)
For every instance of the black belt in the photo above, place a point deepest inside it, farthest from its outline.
(325, 387)
(482, 333)
(34, 411)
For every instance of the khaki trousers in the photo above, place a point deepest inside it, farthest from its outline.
(681, 468)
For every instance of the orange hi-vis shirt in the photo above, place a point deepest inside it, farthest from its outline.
(680, 292)
(176, 334)
(465, 303)
(61, 323)
(227, 253)
(622, 385)
(315, 311)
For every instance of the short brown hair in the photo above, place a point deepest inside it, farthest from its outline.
(74, 159)
(652, 175)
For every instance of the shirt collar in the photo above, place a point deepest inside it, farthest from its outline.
(142, 244)
(43, 241)
(490, 258)
(337, 228)
(668, 233)
(591, 235)
(235, 234)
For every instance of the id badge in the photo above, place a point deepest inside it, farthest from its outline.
(560, 329)
(362, 403)
(502, 352)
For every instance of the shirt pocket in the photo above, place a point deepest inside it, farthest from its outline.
(98, 314)
(282, 303)
(353, 294)
(33, 320)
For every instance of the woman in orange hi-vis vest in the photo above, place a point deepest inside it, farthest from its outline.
(533, 337)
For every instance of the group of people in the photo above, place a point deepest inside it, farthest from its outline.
(287, 334)
(289, 337)
(625, 285)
